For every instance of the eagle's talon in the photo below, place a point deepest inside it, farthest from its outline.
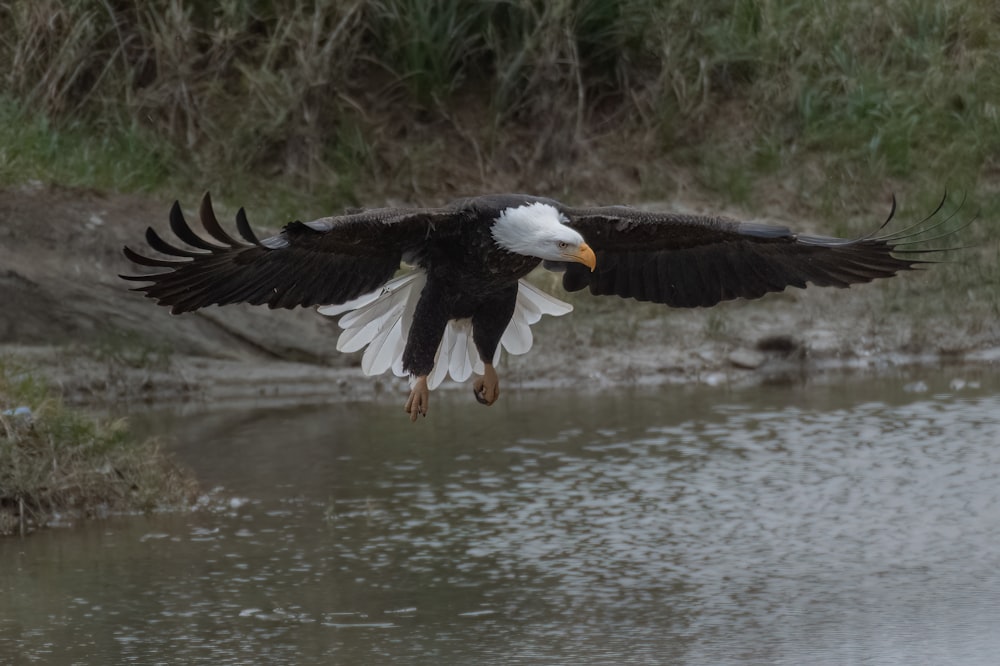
(486, 388)
(420, 396)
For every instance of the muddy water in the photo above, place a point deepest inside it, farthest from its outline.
(849, 523)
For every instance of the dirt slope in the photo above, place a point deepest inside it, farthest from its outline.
(60, 256)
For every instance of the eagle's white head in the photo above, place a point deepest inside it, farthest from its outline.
(539, 230)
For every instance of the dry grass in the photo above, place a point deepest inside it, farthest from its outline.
(327, 95)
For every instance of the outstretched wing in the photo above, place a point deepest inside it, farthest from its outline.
(326, 261)
(692, 261)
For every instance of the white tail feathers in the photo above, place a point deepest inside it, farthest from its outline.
(381, 320)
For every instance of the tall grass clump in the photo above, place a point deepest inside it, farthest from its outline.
(59, 462)
(304, 89)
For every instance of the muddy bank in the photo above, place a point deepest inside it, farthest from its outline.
(210, 383)
(67, 313)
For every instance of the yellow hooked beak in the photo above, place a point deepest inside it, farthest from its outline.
(582, 254)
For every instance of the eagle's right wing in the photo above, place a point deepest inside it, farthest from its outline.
(326, 261)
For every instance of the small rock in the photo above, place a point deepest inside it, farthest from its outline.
(747, 359)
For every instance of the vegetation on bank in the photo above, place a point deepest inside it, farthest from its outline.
(60, 463)
(344, 102)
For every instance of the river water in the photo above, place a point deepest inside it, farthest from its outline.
(853, 522)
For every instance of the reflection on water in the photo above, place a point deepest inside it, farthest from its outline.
(847, 523)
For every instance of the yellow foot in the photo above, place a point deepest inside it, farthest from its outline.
(420, 396)
(487, 388)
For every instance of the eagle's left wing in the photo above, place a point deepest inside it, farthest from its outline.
(691, 260)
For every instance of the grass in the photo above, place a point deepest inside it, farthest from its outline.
(36, 147)
(322, 97)
(61, 463)
(130, 349)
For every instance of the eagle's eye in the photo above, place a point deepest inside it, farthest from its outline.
(563, 245)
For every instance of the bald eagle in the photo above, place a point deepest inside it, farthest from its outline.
(466, 297)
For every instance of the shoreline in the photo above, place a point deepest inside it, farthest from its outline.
(207, 384)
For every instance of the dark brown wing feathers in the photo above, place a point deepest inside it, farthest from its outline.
(692, 261)
(299, 267)
(243, 226)
(211, 223)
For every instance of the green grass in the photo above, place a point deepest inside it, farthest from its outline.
(36, 147)
(57, 461)
(902, 89)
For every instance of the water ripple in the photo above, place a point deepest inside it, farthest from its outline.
(774, 527)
